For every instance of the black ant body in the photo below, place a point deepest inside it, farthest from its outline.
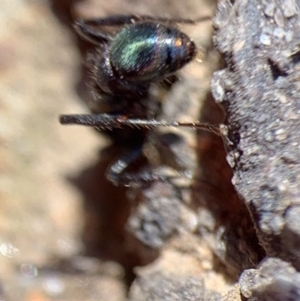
(144, 51)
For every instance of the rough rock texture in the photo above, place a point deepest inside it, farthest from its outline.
(157, 286)
(274, 280)
(156, 218)
(259, 89)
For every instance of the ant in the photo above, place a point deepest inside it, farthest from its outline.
(144, 51)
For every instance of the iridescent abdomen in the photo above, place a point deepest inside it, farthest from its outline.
(148, 51)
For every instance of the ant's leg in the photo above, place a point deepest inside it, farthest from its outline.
(90, 34)
(118, 176)
(107, 121)
(171, 20)
(114, 20)
(148, 175)
(115, 171)
(120, 20)
(96, 36)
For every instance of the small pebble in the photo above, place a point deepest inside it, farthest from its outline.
(289, 8)
(269, 10)
(265, 39)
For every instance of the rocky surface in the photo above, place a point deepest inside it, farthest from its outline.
(66, 233)
(259, 89)
(260, 93)
(274, 279)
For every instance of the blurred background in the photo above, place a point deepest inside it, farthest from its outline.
(52, 245)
